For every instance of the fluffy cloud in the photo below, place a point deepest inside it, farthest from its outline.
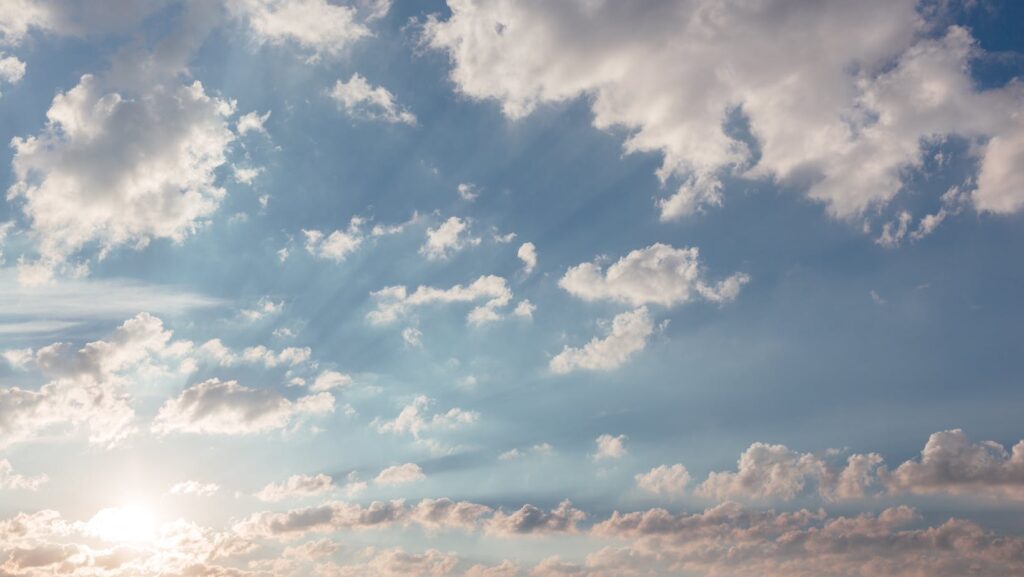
(447, 238)
(328, 380)
(115, 169)
(951, 464)
(337, 245)
(400, 475)
(360, 99)
(11, 480)
(297, 486)
(609, 447)
(398, 563)
(395, 301)
(670, 481)
(252, 122)
(730, 540)
(628, 335)
(415, 419)
(89, 386)
(839, 98)
(528, 254)
(228, 408)
(764, 472)
(531, 520)
(659, 274)
(315, 26)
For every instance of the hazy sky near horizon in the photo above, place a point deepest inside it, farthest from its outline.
(497, 288)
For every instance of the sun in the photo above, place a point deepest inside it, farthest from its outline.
(132, 523)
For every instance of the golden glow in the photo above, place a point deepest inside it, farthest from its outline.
(126, 524)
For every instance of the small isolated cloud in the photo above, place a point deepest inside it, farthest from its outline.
(628, 335)
(416, 419)
(468, 191)
(400, 475)
(337, 245)
(528, 254)
(666, 480)
(252, 122)
(329, 380)
(659, 274)
(448, 238)
(413, 337)
(395, 302)
(9, 480)
(317, 27)
(360, 99)
(609, 447)
(524, 309)
(194, 488)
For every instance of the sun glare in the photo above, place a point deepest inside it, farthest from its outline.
(125, 524)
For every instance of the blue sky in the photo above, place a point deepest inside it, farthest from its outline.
(496, 288)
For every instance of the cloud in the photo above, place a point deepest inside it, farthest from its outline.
(659, 274)
(764, 472)
(9, 480)
(252, 122)
(730, 540)
(315, 26)
(11, 69)
(841, 99)
(468, 191)
(395, 301)
(397, 563)
(952, 465)
(528, 254)
(227, 408)
(360, 99)
(609, 447)
(194, 488)
(531, 520)
(670, 481)
(524, 309)
(414, 419)
(297, 486)
(448, 238)
(412, 337)
(113, 169)
(400, 475)
(338, 245)
(328, 380)
(628, 335)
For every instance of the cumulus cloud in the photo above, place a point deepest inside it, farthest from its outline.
(531, 520)
(228, 408)
(951, 464)
(89, 386)
(528, 254)
(252, 122)
(628, 335)
(400, 475)
(297, 486)
(413, 337)
(467, 191)
(395, 301)
(448, 238)
(416, 419)
(841, 99)
(397, 563)
(659, 274)
(113, 169)
(524, 309)
(609, 447)
(317, 27)
(338, 245)
(360, 99)
(670, 481)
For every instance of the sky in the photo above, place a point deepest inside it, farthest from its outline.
(511, 288)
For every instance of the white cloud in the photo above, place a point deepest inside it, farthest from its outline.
(659, 274)
(840, 97)
(316, 26)
(297, 487)
(412, 337)
(14, 481)
(361, 99)
(764, 472)
(115, 169)
(400, 475)
(531, 520)
(246, 174)
(528, 254)
(951, 464)
(328, 380)
(667, 480)
(227, 408)
(252, 122)
(338, 245)
(609, 447)
(395, 301)
(265, 307)
(628, 335)
(524, 309)
(11, 69)
(468, 191)
(448, 238)
(415, 419)
(194, 488)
